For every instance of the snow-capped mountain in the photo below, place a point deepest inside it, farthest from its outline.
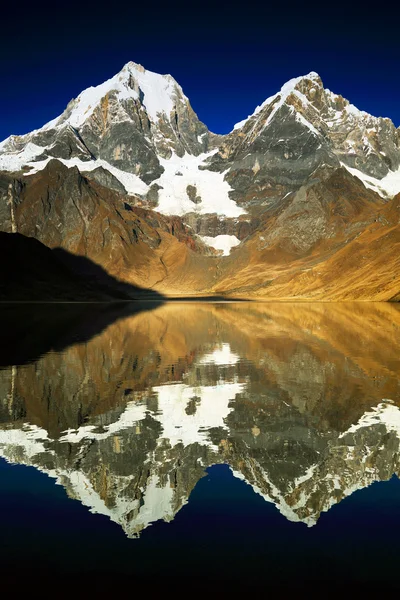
(129, 121)
(140, 126)
(300, 130)
(307, 172)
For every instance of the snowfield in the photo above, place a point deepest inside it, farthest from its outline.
(221, 242)
(387, 187)
(210, 186)
(173, 197)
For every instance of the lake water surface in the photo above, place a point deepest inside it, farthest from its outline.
(248, 446)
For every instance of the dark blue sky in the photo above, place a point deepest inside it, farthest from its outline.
(227, 57)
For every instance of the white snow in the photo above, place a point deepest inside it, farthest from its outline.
(274, 496)
(132, 183)
(84, 491)
(157, 503)
(212, 407)
(211, 187)
(16, 160)
(385, 413)
(221, 356)
(173, 198)
(158, 93)
(221, 242)
(387, 187)
(23, 445)
(307, 475)
(354, 111)
(304, 121)
(133, 413)
(29, 437)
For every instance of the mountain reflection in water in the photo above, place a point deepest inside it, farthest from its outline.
(300, 400)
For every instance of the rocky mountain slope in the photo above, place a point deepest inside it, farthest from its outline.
(299, 200)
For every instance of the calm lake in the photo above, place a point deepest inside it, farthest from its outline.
(247, 446)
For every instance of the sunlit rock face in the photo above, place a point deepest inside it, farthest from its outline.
(301, 401)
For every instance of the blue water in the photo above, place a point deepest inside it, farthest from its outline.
(226, 532)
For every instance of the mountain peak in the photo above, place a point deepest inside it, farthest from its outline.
(132, 65)
(304, 84)
(296, 81)
(133, 68)
(156, 92)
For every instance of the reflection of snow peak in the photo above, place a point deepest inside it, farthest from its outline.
(133, 516)
(385, 413)
(29, 440)
(133, 413)
(221, 356)
(275, 496)
(187, 413)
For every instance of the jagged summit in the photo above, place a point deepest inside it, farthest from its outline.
(157, 93)
(286, 89)
(305, 92)
(301, 129)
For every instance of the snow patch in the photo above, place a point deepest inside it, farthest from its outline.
(275, 496)
(210, 186)
(221, 242)
(30, 438)
(173, 197)
(387, 187)
(16, 160)
(384, 413)
(133, 413)
(211, 407)
(304, 121)
(157, 503)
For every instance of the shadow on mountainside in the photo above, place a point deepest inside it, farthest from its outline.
(30, 271)
(88, 270)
